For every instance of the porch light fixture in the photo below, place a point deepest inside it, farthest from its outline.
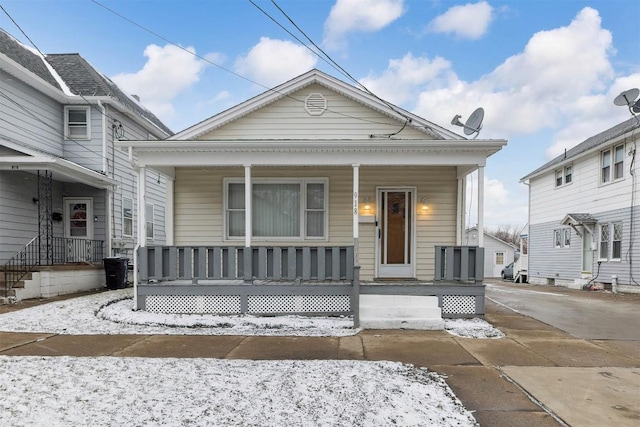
(424, 201)
(367, 205)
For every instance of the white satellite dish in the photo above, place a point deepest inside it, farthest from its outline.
(636, 107)
(627, 98)
(473, 124)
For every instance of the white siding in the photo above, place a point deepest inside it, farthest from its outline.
(288, 119)
(491, 246)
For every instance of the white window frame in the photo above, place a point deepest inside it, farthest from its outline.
(557, 238)
(562, 238)
(149, 211)
(611, 239)
(566, 237)
(124, 218)
(303, 182)
(611, 173)
(563, 176)
(69, 124)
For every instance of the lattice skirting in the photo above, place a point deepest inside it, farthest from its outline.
(458, 304)
(298, 303)
(263, 304)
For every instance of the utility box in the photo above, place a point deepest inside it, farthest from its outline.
(115, 269)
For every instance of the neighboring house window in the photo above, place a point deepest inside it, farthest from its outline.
(557, 238)
(616, 241)
(612, 166)
(281, 209)
(604, 241)
(562, 238)
(149, 221)
(127, 217)
(611, 241)
(499, 258)
(77, 122)
(564, 176)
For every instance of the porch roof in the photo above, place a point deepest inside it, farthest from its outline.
(364, 152)
(62, 170)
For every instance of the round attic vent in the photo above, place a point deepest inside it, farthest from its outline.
(315, 104)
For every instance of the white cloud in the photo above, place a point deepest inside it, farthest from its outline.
(470, 21)
(398, 82)
(358, 15)
(501, 207)
(169, 71)
(271, 62)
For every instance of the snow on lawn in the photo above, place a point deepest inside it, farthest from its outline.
(112, 312)
(107, 391)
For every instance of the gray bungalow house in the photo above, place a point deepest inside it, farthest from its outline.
(67, 196)
(285, 202)
(583, 214)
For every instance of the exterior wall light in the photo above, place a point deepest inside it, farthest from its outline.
(424, 206)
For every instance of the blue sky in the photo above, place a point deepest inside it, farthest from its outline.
(546, 72)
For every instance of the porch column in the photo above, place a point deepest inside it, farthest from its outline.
(356, 189)
(248, 212)
(168, 216)
(142, 206)
(460, 212)
(481, 206)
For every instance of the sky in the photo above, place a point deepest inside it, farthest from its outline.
(544, 71)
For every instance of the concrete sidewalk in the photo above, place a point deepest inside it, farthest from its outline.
(536, 376)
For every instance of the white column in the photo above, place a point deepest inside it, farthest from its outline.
(481, 206)
(142, 206)
(460, 213)
(169, 212)
(247, 206)
(356, 196)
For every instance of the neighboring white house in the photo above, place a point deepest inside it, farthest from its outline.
(497, 253)
(67, 196)
(583, 213)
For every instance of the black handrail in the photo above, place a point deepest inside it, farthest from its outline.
(64, 250)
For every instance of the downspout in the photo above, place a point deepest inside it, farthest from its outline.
(105, 165)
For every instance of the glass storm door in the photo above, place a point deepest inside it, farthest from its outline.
(78, 229)
(395, 233)
(587, 251)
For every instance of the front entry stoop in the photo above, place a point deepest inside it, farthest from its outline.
(400, 312)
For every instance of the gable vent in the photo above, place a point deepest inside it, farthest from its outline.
(315, 104)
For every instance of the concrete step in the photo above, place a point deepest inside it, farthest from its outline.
(400, 312)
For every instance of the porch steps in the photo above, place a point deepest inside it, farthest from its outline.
(400, 312)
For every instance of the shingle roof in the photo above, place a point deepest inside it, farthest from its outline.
(33, 62)
(588, 144)
(80, 76)
(83, 79)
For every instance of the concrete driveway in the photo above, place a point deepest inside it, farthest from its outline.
(592, 315)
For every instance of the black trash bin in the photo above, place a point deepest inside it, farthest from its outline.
(116, 271)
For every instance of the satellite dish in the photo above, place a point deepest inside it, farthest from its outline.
(627, 98)
(636, 107)
(473, 124)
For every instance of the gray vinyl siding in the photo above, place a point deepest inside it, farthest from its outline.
(548, 262)
(621, 268)
(29, 118)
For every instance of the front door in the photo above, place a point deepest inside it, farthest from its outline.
(498, 264)
(396, 237)
(78, 229)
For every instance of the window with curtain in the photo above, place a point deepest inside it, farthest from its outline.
(149, 221)
(294, 209)
(127, 216)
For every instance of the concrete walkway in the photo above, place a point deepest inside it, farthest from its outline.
(536, 376)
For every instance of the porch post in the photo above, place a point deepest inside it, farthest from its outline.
(142, 232)
(168, 217)
(356, 187)
(355, 300)
(248, 212)
(460, 212)
(481, 206)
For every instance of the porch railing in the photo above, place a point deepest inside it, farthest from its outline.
(165, 263)
(459, 263)
(63, 251)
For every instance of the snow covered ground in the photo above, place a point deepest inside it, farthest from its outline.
(111, 391)
(112, 312)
